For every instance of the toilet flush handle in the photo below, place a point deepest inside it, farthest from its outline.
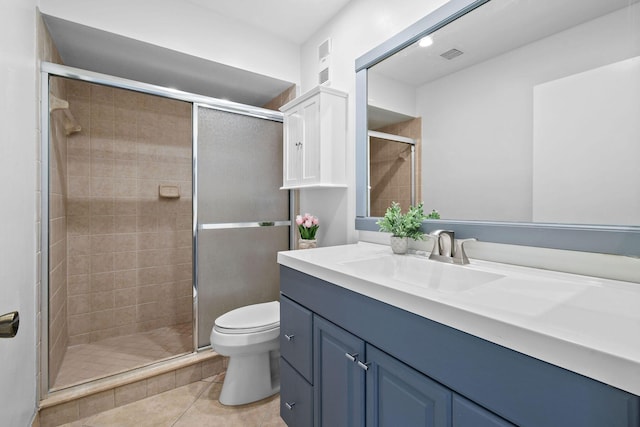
(289, 337)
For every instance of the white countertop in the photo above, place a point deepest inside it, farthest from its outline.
(587, 325)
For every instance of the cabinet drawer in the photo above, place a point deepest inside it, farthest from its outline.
(296, 397)
(296, 334)
(468, 414)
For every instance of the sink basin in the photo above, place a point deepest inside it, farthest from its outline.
(421, 272)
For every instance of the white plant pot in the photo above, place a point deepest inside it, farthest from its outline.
(399, 245)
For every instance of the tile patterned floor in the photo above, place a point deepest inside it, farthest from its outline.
(118, 354)
(193, 405)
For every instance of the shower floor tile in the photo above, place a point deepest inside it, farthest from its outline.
(110, 356)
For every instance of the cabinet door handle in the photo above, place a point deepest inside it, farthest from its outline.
(351, 356)
(289, 337)
(365, 365)
(290, 405)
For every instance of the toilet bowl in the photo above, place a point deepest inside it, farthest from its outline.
(250, 337)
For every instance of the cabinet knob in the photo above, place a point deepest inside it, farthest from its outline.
(351, 356)
(289, 337)
(364, 365)
(290, 405)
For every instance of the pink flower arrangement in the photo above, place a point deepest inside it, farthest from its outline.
(307, 225)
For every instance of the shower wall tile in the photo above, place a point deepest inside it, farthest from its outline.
(78, 284)
(390, 177)
(127, 258)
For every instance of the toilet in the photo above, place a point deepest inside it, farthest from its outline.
(250, 337)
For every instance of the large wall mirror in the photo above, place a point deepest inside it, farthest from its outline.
(518, 120)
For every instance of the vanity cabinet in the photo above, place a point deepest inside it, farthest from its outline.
(356, 384)
(314, 139)
(374, 364)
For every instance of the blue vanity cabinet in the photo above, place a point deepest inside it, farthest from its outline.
(468, 414)
(296, 397)
(296, 364)
(296, 332)
(423, 373)
(339, 382)
(400, 396)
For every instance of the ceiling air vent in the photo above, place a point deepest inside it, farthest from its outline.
(451, 53)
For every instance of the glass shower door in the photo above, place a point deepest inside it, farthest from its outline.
(242, 215)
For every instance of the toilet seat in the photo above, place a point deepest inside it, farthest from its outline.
(250, 319)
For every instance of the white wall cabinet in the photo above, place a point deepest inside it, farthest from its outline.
(315, 131)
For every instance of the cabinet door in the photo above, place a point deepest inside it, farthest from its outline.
(398, 395)
(296, 329)
(293, 134)
(338, 381)
(311, 141)
(468, 414)
(296, 397)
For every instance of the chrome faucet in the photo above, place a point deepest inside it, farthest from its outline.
(445, 248)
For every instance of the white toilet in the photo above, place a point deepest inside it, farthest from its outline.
(250, 337)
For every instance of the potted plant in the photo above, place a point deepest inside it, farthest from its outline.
(307, 226)
(402, 226)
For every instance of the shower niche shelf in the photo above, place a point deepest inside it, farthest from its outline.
(315, 129)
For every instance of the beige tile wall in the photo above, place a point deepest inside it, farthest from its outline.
(287, 95)
(129, 250)
(391, 168)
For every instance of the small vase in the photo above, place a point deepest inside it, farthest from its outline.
(307, 243)
(399, 245)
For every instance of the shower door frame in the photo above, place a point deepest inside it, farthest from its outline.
(48, 70)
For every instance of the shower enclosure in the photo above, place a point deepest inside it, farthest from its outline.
(392, 171)
(143, 181)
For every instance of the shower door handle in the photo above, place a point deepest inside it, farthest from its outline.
(9, 324)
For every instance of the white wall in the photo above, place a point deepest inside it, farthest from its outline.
(494, 101)
(188, 28)
(576, 128)
(356, 29)
(391, 95)
(17, 216)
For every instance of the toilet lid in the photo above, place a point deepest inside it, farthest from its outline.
(251, 318)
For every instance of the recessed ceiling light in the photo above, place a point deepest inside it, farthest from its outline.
(425, 41)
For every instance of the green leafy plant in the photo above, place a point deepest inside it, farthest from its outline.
(403, 225)
(433, 215)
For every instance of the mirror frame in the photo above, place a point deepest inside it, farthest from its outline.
(617, 240)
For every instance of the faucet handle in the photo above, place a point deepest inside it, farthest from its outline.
(460, 256)
(438, 247)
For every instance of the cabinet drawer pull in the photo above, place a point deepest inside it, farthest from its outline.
(289, 337)
(365, 365)
(351, 356)
(290, 405)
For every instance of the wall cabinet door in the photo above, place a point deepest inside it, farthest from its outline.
(310, 146)
(398, 395)
(293, 133)
(339, 382)
(302, 144)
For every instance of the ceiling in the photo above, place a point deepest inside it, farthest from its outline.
(294, 20)
(100, 51)
(481, 35)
